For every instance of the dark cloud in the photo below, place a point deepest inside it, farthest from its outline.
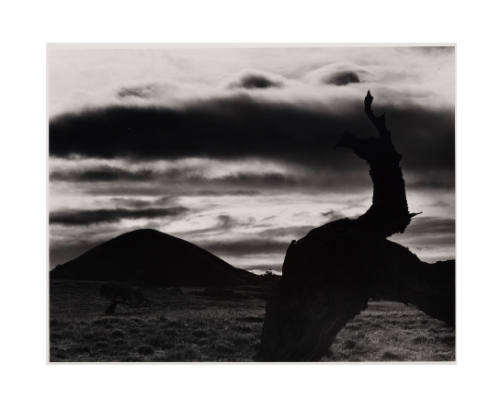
(239, 126)
(332, 215)
(255, 80)
(87, 217)
(142, 91)
(246, 247)
(226, 222)
(342, 78)
(266, 180)
(440, 49)
(240, 192)
(193, 177)
(185, 182)
(443, 180)
(339, 74)
(102, 174)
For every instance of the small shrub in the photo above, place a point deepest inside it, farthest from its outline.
(169, 332)
(145, 350)
(54, 336)
(119, 342)
(58, 354)
(240, 340)
(155, 340)
(176, 324)
(390, 356)
(447, 339)
(224, 348)
(101, 345)
(81, 349)
(117, 333)
(199, 333)
(243, 329)
(349, 344)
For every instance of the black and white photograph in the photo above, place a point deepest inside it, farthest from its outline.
(251, 203)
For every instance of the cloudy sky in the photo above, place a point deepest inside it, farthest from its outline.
(233, 149)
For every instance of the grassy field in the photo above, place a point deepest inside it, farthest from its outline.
(197, 324)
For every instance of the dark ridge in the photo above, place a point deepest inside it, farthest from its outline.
(150, 257)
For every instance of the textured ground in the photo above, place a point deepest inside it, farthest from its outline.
(200, 325)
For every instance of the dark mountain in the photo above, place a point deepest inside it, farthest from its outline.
(151, 257)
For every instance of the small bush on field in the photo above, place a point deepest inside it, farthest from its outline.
(155, 340)
(447, 339)
(240, 340)
(182, 355)
(119, 342)
(199, 333)
(224, 347)
(169, 332)
(390, 356)
(117, 333)
(56, 324)
(244, 329)
(89, 336)
(81, 349)
(66, 334)
(145, 350)
(176, 324)
(55, 336)
(58, 354)
(101, 345)
(349, 344)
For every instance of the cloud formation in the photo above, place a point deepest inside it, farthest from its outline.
(241, 126)
(234, 148)
(246, 246)
(256, 80)
(339, 74)
(87, 217)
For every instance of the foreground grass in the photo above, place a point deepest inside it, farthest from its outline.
(388, 331)
(196, 325)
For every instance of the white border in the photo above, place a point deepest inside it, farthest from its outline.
(29, 382)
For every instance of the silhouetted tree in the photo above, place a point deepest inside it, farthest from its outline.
(329, 275)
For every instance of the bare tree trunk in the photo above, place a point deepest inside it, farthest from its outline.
(388, 213)
(329, 275)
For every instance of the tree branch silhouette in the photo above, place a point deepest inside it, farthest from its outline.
(330, 274)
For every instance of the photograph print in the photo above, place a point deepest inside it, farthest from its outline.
(251, 203)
